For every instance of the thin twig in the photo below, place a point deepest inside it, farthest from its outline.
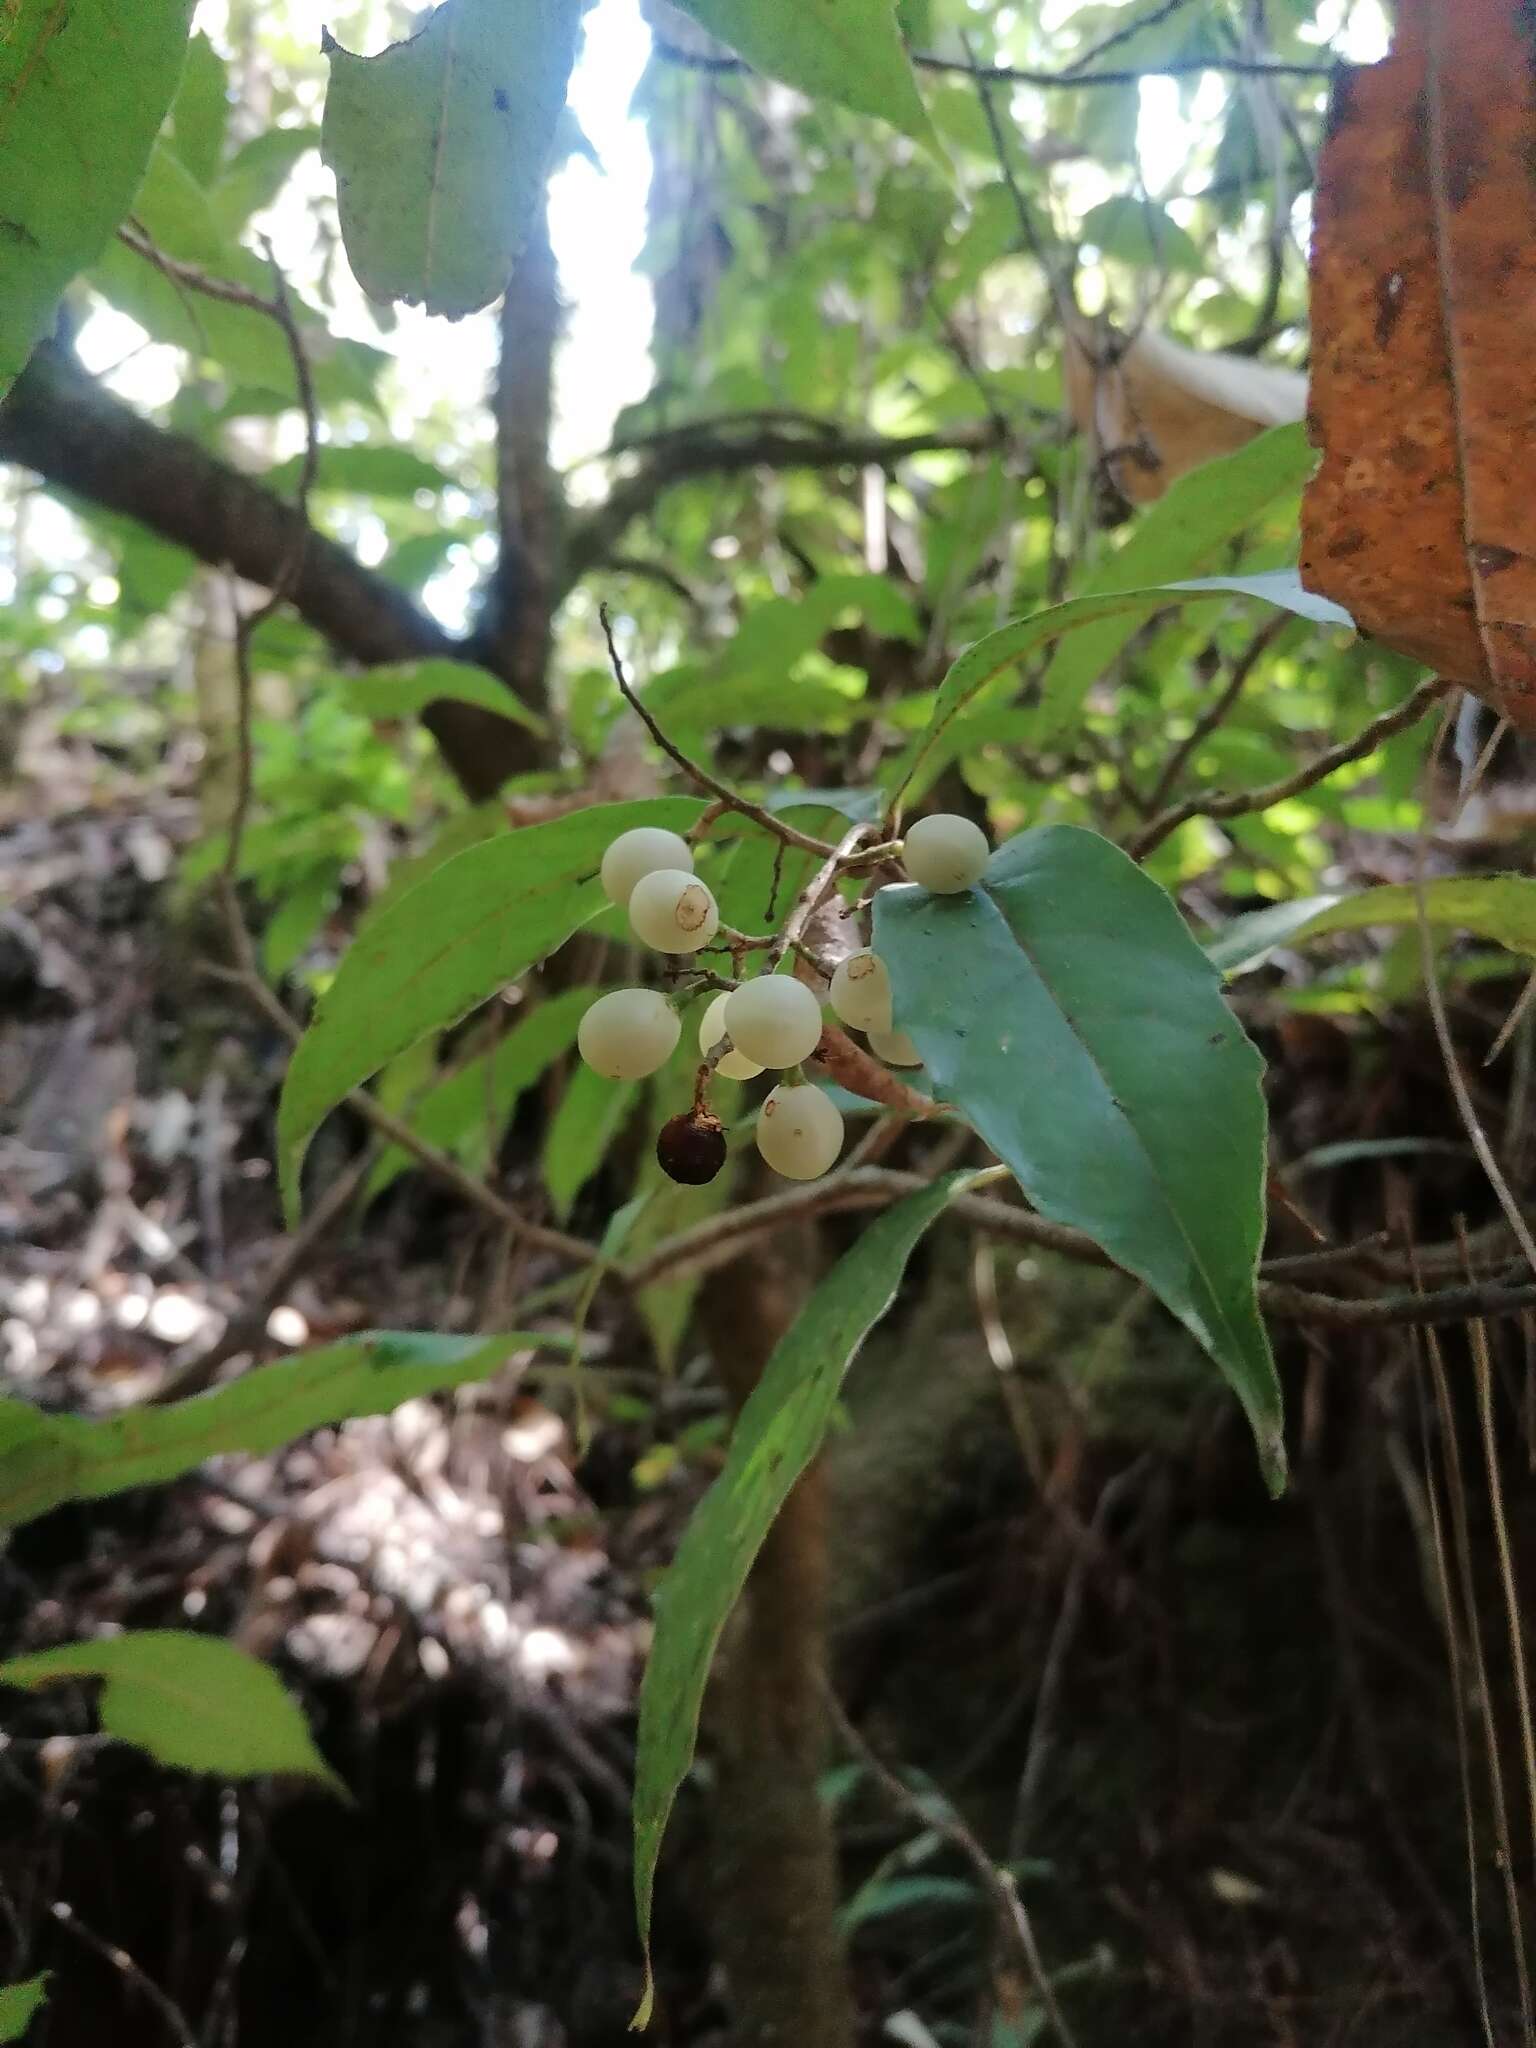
(1241, 803)
(1214, 713)
(289, 571)
(1012, 74)
(441, 1165)
(170, 2012)
(1013, 1920)
(692, 769)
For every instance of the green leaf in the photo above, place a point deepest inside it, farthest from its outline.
(778, 1434)
(1498, 907)
(256, 173)
(1141, 232)
(362, 467)
(83, 90)
(471, 827)
(200, 111)
(1065, 1008)
(1117, 611)
(474, 924)
(882, 1897)
(176, 214)
(401, 689)
(465, 1113)
(847, 51)
(440, 145)
(46, 1459)
(1183, 533)
(590, 1114)
(19, 2005)
(195, 1702)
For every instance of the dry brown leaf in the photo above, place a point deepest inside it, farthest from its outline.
(1156, 409)
(1423, 397)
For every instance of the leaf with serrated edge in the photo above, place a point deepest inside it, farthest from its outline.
(777, 1435)
(195, 1702)
(1064, 1007)
(82, 92)
(440, 146)
(1497, 907)
(471, 926)
(46, 1459)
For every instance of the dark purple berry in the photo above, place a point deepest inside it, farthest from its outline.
(691, 1147)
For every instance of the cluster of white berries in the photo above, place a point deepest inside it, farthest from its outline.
(772, 1021)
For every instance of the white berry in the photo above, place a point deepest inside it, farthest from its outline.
(734, 1066)
(673, 911)
(861, 992)
(628, 1034)
(945, 853)
(895, 1048)
(634, 855)
(800, 1132)
(774, 1020)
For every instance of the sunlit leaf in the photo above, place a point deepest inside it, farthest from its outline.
(200, 111)
(440, 145)
(1498, 907)
(82, 91)
(1117, 611)
(46, 1459)
(850, 52)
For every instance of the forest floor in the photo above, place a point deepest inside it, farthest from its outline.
(1218, 1737)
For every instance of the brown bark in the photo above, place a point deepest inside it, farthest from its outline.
(775, 1886)
(529, 502)
(60, 422)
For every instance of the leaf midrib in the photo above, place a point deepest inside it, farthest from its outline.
(1121, 1111)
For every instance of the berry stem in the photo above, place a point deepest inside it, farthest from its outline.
(722, 791)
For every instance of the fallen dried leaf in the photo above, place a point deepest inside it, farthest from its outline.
(1422, 399)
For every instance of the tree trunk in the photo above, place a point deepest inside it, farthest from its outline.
(775, 1877)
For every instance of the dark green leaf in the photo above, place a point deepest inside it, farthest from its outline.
(195, 1702)
(779, 1432)
(19, 2004)
(1498, 907)
(477, 922)
(440, 145)
(82, 91)
(46, 1459)
(887, 1895)
(1065, 1008)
